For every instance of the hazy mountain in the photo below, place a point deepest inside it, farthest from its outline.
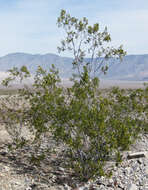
(133, 67)
(33, 61)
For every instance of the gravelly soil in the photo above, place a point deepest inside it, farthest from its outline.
(17, 173)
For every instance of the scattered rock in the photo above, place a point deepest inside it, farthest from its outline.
(132, 187)
(131, 174)
(136, 155)
(5, 137)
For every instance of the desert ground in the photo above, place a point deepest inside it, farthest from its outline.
(18, 174)
(104, 83)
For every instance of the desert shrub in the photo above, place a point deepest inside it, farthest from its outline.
(92, 126)
(128, 114)
(95, 127)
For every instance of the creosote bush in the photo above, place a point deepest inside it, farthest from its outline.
(94, 127)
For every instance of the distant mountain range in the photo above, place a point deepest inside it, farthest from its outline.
(133, 67)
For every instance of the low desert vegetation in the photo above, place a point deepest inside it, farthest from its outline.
(92, 126)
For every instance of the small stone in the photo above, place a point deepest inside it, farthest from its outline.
(132, 187)
(111, 181)
(85, 188)
(146, 170)
(61, 169)
(146, 154)
(28, 188)
(3, 153)
(136, 155)
(79, 188)
(121, 186)
(66, 187)
(5, 137)
(140, 161)
(33, 186)
(128, 170)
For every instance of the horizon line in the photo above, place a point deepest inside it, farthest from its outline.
(42, 54)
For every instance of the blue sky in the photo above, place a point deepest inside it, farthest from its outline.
(30, 25)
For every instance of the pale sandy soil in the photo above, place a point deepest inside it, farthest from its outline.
(4, 136)
(110, 83)
(121, 84)
(104, 83)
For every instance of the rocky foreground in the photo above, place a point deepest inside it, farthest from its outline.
(16, 173)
